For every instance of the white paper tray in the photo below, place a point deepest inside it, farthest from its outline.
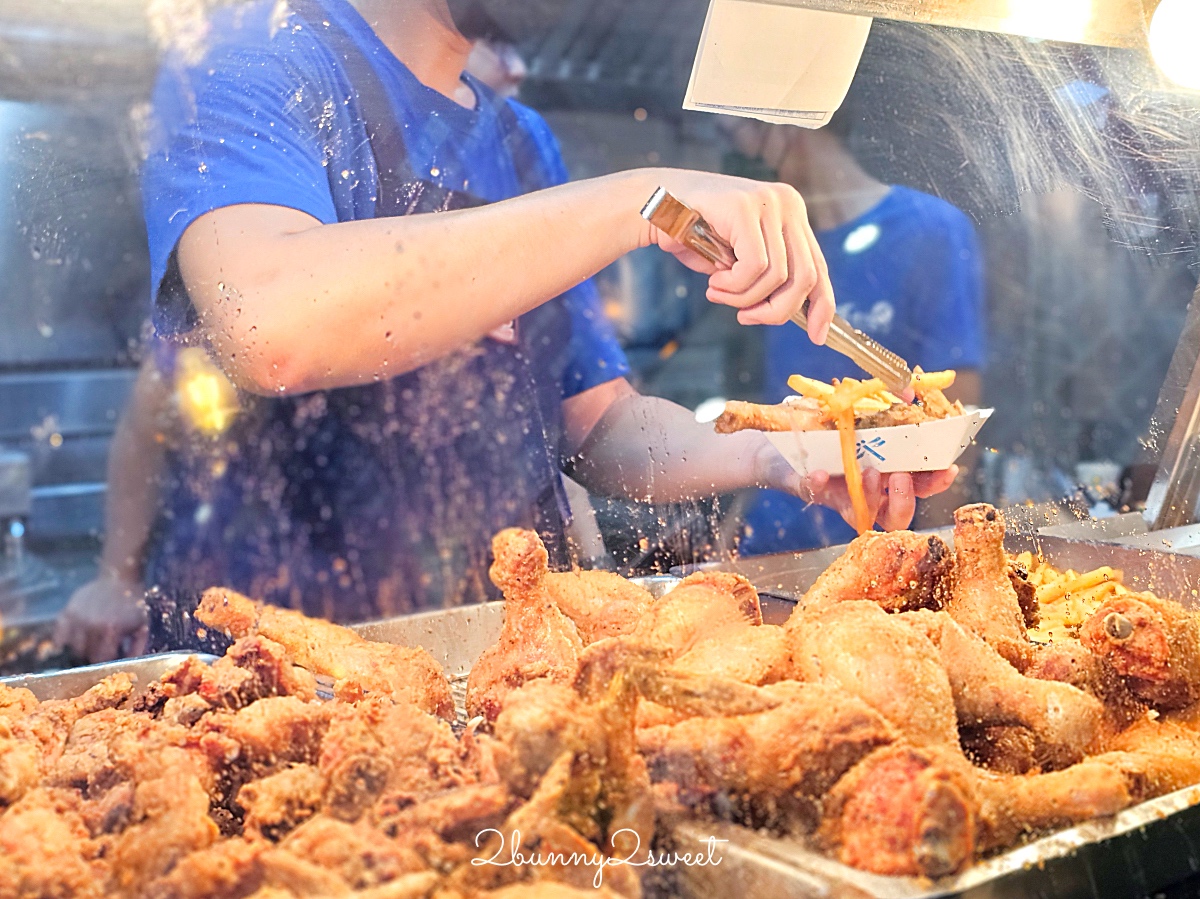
(931, 446)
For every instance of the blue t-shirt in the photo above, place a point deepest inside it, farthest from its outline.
(375, 499)
(909, 273)
(255, 121)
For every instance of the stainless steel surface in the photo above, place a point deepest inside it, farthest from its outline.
(74, 681)
(1128, 855)
(455, 637)
(1109, 23)
(75, 47)
(867, 354)
(68, 403)
(63, 422)
(788, 575)
(16, 484)
(1121, 543)
(687, 226)
(1175, 428)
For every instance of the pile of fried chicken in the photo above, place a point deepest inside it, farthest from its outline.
(900, 720)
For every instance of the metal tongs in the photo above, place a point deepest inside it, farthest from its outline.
(687, 226)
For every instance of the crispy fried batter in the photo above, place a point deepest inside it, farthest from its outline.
(899, 571)
(47, 851)
(1152, 643)
(170, 820)
(988, 691)
(984, 600)
(741, 416)
(537, 639)
(378, 749)
(770, 767)
(865, 652)
(275, 804)
(408, 675)
(601, 603)
(705, 605)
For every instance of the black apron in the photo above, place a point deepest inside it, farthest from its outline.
(376, 500)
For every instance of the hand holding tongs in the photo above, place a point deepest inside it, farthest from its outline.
(687, 226)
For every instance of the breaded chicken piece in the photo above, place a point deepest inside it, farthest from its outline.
(601, 603)
(1152, 643)
(863, 651)
(928, 812)
(984, 600)
(355, 664)
(898, 571)
(705, 605)
(47, 851)
(378, 748)
(770, 767)
(275, 804)
(537, 638)
(170, 820)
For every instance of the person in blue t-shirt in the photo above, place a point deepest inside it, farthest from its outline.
(385, 263)
(906, 268)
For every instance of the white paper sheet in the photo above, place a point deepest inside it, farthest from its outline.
(774, 62)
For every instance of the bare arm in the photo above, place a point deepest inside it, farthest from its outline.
(136, 463)
(102, 613)
(653, 450)
(292, 305)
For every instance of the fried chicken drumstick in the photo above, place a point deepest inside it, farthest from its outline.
(609, 713)
(355, 664)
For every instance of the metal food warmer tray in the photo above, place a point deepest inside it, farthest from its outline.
(1131, 854)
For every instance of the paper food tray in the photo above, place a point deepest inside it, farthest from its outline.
(930, 446)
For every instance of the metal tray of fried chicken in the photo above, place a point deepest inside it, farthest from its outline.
(1131, 853)
(1128, 854)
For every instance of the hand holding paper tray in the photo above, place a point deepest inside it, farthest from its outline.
(929, 446)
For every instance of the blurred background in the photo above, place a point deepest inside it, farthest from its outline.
(1077, 166)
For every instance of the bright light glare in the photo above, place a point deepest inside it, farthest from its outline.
(861, 238)
(1060, 20)
(709, 409)
(206, 397)
(1173, 34)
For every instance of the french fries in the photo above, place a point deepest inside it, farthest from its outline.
(845, 404)
(849, 399)
(872, 395)
(925, 382)
(1066, 599)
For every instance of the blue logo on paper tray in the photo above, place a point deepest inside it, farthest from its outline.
(871, 448)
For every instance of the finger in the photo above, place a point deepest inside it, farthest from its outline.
(931, 483)
(684, 254)
(64, 631)
(104, 646)
(901, 503)
(736, 286)
(873, 487)
(141, 637)
(771, 270)
(818, 485)
(821, 301)
(785, 302)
